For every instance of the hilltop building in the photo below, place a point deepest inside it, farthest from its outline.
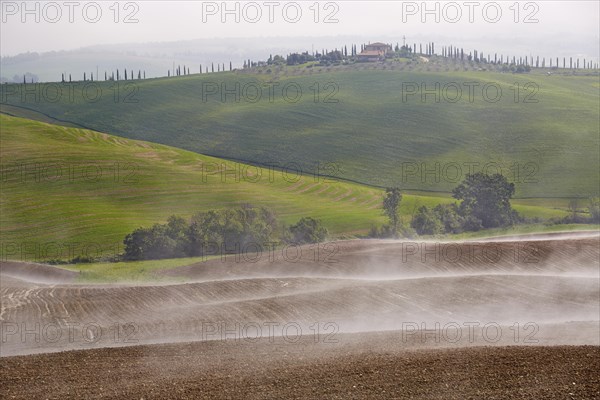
(374, 52)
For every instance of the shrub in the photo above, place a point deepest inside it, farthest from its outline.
(386, 231)
(472, 224)
(594, 209)
(427, 222)
(307, 230)
(450, 218)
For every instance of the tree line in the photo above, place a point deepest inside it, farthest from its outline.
(226, 231)
(484, 204)
(449, 51)
(342, 54)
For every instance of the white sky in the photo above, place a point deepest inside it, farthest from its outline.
(160, 21)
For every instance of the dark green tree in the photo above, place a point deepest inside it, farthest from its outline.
(427, 222)
(307, 230)
(391, 205)
(486, 198)
(594, 209)
(448, 215)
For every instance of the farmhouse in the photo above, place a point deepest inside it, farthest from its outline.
(374, 52)
(382, 47)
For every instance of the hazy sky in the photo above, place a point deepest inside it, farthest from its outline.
(61, 25)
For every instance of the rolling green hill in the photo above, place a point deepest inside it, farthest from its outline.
(66, 188)
(542, 131)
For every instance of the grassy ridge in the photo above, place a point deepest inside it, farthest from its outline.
(547, 146)
(89, 199)
(106, 186)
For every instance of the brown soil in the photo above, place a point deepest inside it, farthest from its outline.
(305, 370)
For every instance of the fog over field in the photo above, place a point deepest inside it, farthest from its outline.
(379, 286)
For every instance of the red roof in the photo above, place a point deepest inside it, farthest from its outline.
(371, 53)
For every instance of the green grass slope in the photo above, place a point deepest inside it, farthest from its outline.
(67, 189)
(544, 136)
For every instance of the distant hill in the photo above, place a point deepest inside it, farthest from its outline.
(157, 57)
(542, 131)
